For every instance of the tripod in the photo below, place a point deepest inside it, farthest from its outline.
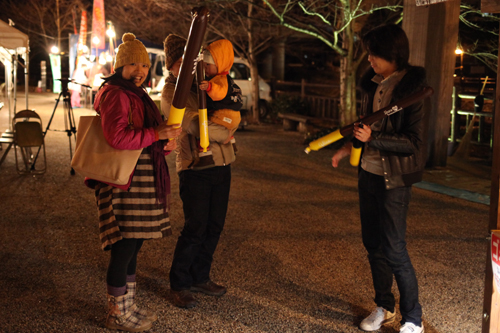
(69, 119)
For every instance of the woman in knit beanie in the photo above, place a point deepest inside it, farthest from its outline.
(137, 211)
(174, 50)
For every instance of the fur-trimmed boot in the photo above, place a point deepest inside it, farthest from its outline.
(140, 313)
(121, 315)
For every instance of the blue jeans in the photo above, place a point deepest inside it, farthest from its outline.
(383, 226)
(205, 196)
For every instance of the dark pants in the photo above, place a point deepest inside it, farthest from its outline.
(123, 261)
(383, 224)
(205, 195)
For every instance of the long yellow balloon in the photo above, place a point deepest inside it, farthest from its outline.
(355, 154)
(202, 108)
(204, 142)
(324, 141)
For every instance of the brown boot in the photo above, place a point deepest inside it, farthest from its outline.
(183, 299)
(209, 288)
(121, 316)
(140, 313)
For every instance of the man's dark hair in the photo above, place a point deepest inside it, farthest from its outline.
(388, 42)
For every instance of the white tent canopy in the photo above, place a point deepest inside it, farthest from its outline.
(13, 43)
(11, 38)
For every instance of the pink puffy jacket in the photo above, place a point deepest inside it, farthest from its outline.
(115, 109)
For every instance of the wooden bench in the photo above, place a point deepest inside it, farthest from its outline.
(304, 124)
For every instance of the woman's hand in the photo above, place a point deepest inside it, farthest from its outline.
(362, 132)
(168, 131)
(170, 145)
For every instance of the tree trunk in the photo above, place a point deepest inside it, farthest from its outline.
(279, 59)
(348, 79)
(58, 23)
(254, 73)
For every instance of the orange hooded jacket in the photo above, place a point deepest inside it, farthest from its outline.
(223, 55)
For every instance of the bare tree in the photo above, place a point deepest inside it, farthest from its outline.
(149, 19)
(245, 26)
(241, 22)
(43, 21)
(478, 36)
(338, 23)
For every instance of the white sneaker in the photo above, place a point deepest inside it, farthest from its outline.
(376, 319)
(411, 328)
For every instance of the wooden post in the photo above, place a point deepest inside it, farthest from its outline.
(433, 33)
(491, 320)
(43, 65)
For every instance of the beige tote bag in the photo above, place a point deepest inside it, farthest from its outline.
(96, 159)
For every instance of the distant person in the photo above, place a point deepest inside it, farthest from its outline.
(204, 184)
(137, 211)
(393, 158)
(79, 78)
(97, 74)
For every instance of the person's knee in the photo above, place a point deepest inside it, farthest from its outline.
(397, 257)
(193, 233)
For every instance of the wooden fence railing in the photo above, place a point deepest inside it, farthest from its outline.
(321, 106)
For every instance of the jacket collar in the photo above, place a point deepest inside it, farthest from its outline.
(411, 82)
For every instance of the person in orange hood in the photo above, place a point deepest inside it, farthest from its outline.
(224, 99)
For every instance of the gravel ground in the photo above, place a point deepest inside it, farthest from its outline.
(291, 252)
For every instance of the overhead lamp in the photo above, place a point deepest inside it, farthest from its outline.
(111, 33)
(102, 59)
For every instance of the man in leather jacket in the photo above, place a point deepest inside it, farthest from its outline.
(393, 158)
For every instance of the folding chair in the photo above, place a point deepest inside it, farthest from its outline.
(28, 134)
(8, 140)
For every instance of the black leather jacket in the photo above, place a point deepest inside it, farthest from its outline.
(402, 138)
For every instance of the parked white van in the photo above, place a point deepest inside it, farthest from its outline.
(158, 70)
(240, 72)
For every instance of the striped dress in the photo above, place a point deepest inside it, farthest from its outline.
(133, 213)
